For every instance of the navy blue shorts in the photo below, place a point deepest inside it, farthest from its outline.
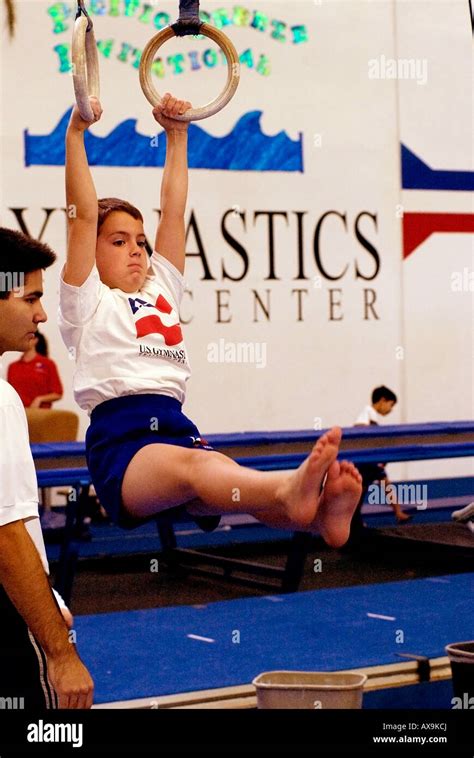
(119, 428)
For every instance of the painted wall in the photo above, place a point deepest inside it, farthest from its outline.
(305, 213)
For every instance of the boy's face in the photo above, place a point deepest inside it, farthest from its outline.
(121, 256)
(384, 407)
(21, 313)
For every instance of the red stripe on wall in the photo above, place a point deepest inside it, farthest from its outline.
(417, 227)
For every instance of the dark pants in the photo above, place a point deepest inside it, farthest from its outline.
(23, 671)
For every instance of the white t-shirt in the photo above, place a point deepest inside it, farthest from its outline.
(125, 344)
(18, 487)
(369, 416)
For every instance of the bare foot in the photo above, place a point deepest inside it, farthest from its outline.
(338, 502)
(300, 494)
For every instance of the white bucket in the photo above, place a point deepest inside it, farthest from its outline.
(307, 689)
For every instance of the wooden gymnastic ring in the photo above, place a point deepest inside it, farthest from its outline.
(233, 72)
(85, 67)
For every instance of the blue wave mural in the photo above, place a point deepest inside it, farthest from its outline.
(245, 148)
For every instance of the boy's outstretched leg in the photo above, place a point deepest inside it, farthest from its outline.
(161, 476)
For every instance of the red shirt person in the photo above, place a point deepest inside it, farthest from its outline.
(35, 376)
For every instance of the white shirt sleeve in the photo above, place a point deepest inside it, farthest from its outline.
(77, 305)
(18, 487)
(168, 275)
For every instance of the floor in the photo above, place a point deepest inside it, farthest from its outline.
(131, 582)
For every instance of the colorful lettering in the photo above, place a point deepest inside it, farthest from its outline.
(59, 12)
(63, 52)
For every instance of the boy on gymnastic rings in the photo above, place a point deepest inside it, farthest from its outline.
(119, 316)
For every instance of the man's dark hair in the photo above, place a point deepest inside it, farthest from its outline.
(20, 255)
(383, 393)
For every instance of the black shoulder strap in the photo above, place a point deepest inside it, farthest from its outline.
(188, 21)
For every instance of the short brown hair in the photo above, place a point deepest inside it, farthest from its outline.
(20, 255)
(108, 205)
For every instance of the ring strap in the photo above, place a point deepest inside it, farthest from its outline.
(81, 11)
(188, 21)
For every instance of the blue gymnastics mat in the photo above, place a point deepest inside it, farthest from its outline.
(147, 653)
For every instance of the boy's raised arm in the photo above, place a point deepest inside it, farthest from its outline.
(81, 201)
(170, 237)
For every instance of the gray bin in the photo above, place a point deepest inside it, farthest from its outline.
(461, 656)
(307, 689)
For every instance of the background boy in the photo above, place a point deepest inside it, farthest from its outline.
(383, 401)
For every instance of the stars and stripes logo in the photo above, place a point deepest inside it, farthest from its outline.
(149, 321)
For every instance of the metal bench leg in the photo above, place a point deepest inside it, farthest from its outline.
(164, 525)
(295, 562)
(69, 548)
